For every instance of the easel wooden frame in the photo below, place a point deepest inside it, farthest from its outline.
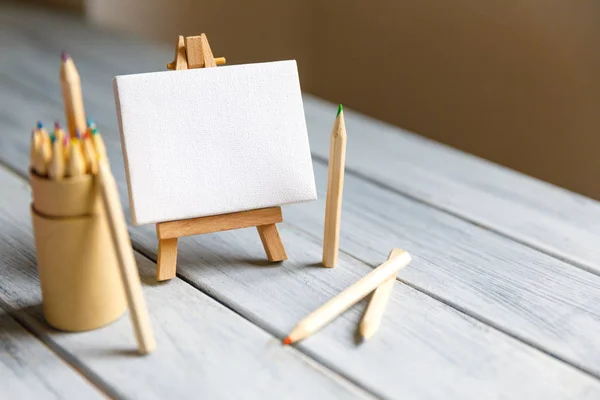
(195, 52)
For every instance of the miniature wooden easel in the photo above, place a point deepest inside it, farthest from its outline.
(195, 52)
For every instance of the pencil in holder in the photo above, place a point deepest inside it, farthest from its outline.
(77, 264)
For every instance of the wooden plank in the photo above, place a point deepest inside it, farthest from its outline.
(271, 241)
(194, 253)
(202, 346)
(485, 282)
(29, 370)
(218, 223)
(534, 319)
(420, 340)
(555, 221)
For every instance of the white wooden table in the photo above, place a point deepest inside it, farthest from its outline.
(502, 299)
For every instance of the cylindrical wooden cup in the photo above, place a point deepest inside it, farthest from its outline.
(77, 264)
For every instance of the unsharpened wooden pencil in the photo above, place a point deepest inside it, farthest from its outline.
(70, 83)
(373, 314)
(335, 187)
(340, 303)
(127, 266)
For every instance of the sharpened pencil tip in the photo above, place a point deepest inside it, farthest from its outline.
(90, 123)
(287, 341)
(40, 125)
(340, 109)
(56, 125)
(77, 134)
(64, 56)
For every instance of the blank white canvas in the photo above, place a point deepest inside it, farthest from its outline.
(212, 141)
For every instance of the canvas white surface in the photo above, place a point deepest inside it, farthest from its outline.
(212, 141)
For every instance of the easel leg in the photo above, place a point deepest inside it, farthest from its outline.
(272, 242)
(167, 259)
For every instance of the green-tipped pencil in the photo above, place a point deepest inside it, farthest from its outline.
(335, 187)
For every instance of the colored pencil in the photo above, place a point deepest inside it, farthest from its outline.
(127, 265)
(42, 156)
(99, 143)
(72, 97)
(43, 132)
(76, 163)
(89, 153)
(335, 187)
(56, 169)
(374, 313)
(34, 148)
(340, 303)
(59, 132)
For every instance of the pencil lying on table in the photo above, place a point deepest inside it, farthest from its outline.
(372, 317)
(340, 303)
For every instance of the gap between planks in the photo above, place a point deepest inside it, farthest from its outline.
(31, 325)
(378, 184)
(149, 257)
(358, 175)
(587, 267)
(547, 250)
(69, 361)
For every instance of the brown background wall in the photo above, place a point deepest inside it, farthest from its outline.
(517, 82)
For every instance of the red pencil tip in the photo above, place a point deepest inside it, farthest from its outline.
(287, 341)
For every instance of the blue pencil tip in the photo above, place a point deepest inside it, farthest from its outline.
(90, 123)
(77, 134)
(40, 125)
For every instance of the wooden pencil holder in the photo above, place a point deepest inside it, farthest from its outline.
(77, 264)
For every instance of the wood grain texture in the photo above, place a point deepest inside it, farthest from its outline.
(348, 297)
(532, 296)
(218, 223)
(550, 219)
(207, 261)
(203, 347)
(199, 54)
(29, 370)
(558, 222)
(470, 353)
(472, 283)
(269, 236)
(166, 263)
(401, 362)
(180, 61)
